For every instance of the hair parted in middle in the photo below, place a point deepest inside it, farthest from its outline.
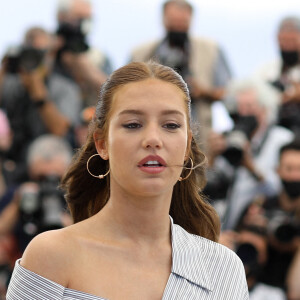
(87, 195)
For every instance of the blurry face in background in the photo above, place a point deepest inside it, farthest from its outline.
(289, 39)
(289, 168)
(289, 172)
(79, 10)
(248, 105)
(42, 41)
(289, 45)
(42, 167)
(177, 18)
(46, 44)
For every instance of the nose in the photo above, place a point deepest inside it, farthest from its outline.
(152, 137)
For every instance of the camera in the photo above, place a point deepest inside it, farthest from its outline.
(176, 59)
(217, 184)
(238, 138)
(288, 116)
(248, 254)
(41, 211)
(74, 37)
(23, 58)
(283, 227)
(173, 52)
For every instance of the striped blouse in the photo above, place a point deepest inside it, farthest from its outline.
(201, 269)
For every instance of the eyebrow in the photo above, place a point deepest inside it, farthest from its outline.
(139, 112)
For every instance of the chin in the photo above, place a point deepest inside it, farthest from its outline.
(154, 188)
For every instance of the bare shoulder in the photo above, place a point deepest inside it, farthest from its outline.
(50, 254)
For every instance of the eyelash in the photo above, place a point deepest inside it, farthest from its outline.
(172, 126)
(132, 126)
(169, 126)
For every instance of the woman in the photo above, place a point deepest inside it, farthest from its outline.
(121, 188)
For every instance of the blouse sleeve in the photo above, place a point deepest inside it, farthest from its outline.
(27, 285)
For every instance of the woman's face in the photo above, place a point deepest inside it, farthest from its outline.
(147, 137)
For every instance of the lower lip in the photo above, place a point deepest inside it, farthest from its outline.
(152, 170)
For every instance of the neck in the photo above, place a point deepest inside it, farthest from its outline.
(138, 218)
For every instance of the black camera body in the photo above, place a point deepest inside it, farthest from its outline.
(23, 58)
(174, 53)
(42, 211)
(74, 37)
(238, 137)
(217, 184)
(283, 227)
(176, 59)
(288, 114)
(248, 253)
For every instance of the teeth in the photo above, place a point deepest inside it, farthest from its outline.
(152, 163)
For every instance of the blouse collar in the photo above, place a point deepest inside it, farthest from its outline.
(188, 259)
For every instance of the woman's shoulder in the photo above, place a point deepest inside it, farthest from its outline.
(51, 254)
(210, 251)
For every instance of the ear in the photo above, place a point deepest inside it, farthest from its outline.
(101, 145)
(189, 145)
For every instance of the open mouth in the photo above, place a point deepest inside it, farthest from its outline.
(152, 164)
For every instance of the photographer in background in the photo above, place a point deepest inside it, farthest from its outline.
(199, 60)
(38, 204)
(279, 215)
(36, 99)
(252, 147)
(76, 59)
(250, 244)
(284, 73)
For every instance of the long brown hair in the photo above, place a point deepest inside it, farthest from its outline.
(87, 195)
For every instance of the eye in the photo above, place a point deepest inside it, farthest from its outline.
(172, 126)
(132, 126)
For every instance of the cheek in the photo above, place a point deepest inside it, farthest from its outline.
(121, 149)
(179, 147)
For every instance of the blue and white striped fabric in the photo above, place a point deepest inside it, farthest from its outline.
(201, 270)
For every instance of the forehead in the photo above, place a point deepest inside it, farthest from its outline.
(290, 157)
(287, 35)
(42, 41)
(81, 9)
(174, 8)
(175, 13)
(150, 93)
(247, 97)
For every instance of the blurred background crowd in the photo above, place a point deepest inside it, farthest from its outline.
(248, 126)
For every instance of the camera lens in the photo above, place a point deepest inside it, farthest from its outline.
(285, 233)
(247, 253)
(31, 58)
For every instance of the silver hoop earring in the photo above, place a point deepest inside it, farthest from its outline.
(191, 170)
(101, 176)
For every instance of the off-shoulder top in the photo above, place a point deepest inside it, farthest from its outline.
(201, 270)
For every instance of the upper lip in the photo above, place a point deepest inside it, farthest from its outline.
(152, 158)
